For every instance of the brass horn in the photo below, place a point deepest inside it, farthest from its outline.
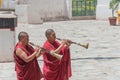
(58, 56)
(83, 45)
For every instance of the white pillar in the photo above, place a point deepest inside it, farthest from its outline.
(68, 8)
(102, 10)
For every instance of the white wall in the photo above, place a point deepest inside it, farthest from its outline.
(102, 10)
(7, 43)
(7, 39)
(8, 4)
(22, 13)
(68, 8)
(36, 10)
(46, 10)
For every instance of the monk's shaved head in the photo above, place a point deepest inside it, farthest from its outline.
(21, 35)
(48, 32)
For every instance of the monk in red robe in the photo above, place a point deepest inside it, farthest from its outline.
(25, 56)
(53, 68)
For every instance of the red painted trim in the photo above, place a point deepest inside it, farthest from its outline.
(11, 29)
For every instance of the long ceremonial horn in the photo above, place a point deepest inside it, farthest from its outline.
(58, 56)
(83, 45)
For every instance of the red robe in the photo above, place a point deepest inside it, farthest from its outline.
(26, 71)
(53, 68)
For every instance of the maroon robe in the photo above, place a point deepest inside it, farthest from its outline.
(26, 71)
(53, 68)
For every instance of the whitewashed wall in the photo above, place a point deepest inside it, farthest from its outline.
(69, 8)
(8, 4)
(22, 13)
(102, 10)
(38, 10)
(7, 43)
(7, 39)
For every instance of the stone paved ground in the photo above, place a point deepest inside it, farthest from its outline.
(101, 61)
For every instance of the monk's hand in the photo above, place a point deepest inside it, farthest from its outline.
(42, 50)
(68, 43)
(39, 52)
(37, 46)
(64, 41)
(36, 50)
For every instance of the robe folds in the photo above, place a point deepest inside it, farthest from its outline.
(26, 71)
(54, 69)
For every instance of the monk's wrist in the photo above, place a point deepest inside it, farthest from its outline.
(52, 52)
(62, 45)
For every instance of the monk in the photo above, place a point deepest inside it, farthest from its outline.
(25, 56)
(53, 68)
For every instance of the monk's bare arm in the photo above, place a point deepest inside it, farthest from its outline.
(40, 53)
(20, 53)
(61, 46)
